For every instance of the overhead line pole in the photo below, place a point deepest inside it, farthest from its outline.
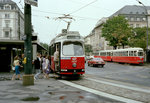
(146, 28)
(28, 78)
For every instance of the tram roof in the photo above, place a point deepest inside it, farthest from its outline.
(127, 49)
(63, 36)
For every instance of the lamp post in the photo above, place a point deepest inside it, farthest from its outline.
(146, 28)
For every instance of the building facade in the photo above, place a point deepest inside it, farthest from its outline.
(12, 35)
(136, 16)
(11, 21)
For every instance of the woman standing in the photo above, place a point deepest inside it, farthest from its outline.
(17, 65)
(47, 67)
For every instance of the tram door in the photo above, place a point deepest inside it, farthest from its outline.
(5, 59)
(58, 46)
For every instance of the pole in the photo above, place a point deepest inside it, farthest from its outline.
(147, 58)
(28, 77)
(146, 29)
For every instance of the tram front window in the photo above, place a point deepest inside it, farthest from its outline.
(73, 49)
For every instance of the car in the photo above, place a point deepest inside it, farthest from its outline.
(87, 58)
(96, 62)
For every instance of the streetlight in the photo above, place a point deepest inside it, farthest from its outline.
(146, 27)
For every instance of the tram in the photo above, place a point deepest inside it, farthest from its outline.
(129, 55)
(106, 55)
(71, 53)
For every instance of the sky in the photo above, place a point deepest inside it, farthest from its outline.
(85, 13)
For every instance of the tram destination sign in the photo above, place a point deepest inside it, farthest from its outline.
(31, 2)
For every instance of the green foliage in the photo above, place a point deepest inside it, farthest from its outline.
(139, 38)
(116, 30)
(88, 49)
(44, 45)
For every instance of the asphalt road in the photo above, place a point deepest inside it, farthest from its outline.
(98, 85)
(136, 74)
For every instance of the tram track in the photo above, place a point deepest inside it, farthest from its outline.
(120, 91)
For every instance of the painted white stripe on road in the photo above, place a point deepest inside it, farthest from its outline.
(118, 98)
(121, 86)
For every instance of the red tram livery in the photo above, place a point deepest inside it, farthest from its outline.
(129, 55)
(71, 53)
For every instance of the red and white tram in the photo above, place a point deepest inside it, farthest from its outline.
(129, 55)
(106, 55)
(71, 53)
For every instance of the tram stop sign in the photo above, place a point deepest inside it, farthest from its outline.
(31, 2)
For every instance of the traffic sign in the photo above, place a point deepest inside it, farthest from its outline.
(31, 2)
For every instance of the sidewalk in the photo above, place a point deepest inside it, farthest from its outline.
(43, 91)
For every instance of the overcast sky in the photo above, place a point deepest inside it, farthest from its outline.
(85, 12)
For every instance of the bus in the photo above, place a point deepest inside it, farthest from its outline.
(129, 55)
(71, 53)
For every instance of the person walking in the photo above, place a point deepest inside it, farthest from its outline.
(43, 65)
(17, 65)
(37, 64)
(22, 62)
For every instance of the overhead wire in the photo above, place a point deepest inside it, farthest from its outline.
(77, 2)
(83, 7)
(48, 12)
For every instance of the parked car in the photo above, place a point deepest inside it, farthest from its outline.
(96, 62)
(87, 58)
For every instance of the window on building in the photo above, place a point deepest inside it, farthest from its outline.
(126, 18)
(138, 19)
(131, 25)
(7, 7)
(6, 15)
(7, 22)
(132, 19)
(137, 25)
(6, 34)
(144, 19)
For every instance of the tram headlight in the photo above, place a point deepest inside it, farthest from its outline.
(74, 65)
(82, 70)
(64, 70)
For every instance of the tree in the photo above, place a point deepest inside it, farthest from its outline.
(88, 49)
(116, 30)
(44, 45)
(138, 39)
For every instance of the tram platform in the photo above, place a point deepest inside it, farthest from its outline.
(43, 90)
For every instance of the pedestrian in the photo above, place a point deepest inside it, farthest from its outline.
(22, 62)
(43, 65)
(56, 59)
(37, 64)
(17, 65)
(47, 67)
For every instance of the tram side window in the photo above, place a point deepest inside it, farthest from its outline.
(130, 53)
(108, 54)
(140, 53)
(135, 53)
(96, 54)
(126, 53)
(114, 53)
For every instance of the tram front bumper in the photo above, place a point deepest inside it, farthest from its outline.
(72, 71)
